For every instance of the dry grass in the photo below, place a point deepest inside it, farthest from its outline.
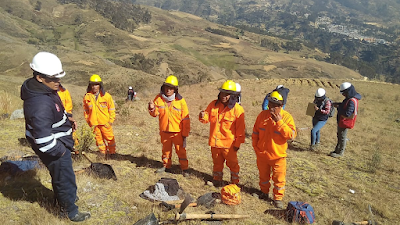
(370, 166)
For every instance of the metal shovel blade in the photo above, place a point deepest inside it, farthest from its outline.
(185, 203)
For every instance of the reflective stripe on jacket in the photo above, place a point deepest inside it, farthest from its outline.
(65, 99)
(48, 129)
(100, 111)
(270, 137)
(227, 126)
(172, 118)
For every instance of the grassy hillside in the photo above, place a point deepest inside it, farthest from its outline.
(370, 166)
(177, 43)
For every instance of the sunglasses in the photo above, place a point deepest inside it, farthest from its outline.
(51, 78)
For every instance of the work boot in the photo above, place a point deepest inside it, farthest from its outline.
(185, 173)
(161, 170)
(265, 197)
(335, 155)
(278, 204)
(80, 216)
(218, 183)
(313, 148)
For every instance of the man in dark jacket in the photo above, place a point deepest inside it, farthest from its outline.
(346, 117)
(49, 131)
(131, 94)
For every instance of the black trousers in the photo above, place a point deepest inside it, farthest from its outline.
(63, 181)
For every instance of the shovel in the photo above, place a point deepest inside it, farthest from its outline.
(101, 170)
(184, 216)
(208, 200)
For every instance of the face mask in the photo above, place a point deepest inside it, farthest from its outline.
(168, 99)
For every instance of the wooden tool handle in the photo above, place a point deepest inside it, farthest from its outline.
(193, 204)
(185, 216)
(84, 154)
(362, 223)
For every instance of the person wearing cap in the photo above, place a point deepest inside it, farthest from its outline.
(174, 124)
(227, 131)
(48, 130)
(131, 94)
(322, 106)
(346, 116)
(99, 112)
(283, 90)
(271, 131)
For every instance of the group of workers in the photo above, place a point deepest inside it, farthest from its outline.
(346, 116)
(271, 131)
(50, 124)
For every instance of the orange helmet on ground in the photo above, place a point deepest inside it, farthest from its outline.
(230, 194)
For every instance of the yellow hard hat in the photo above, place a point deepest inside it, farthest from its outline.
(172, 81)
(229, 86)
(275, 97)
(95, 78)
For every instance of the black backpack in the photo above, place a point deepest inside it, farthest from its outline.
(332, 111)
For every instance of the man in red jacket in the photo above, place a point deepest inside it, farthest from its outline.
(346, 117)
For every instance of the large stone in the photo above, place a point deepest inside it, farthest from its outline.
(17, 114)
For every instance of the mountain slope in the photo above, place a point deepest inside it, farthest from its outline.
(173, 42)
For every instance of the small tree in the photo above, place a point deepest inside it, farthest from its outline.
(85, 138)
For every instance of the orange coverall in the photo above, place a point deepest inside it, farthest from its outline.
(270, 144)
(174, 124)
(227, 130)
(66, 100)
(100, 113)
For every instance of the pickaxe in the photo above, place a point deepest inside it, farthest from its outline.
(208, 200)
(184, 216)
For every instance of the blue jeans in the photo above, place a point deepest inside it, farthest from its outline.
(315, 134)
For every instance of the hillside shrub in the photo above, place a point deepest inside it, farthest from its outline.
(375, 162)
(5, 103)
(85, 137)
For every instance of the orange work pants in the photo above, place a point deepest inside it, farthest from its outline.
(167, 139)
(219, 156)
(105, 134)
(278, 169)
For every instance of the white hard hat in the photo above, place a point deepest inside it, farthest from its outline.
(238, 87)
(48, 64)
(344, 86)
(130, 87)
(320, 92)
(279, 86)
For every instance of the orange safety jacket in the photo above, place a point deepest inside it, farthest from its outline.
(270, 137)
(172, 118)
(100, 111)
(227, 126)
(65, 99)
